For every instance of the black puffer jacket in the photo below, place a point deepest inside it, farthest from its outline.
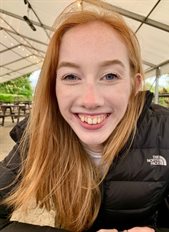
(136, 188)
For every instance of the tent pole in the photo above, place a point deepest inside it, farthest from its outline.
(157, 85)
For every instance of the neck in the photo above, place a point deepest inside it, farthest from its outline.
(93, 148)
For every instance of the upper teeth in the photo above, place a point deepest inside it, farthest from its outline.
(92, 119)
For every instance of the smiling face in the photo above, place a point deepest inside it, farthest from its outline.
(93, 82)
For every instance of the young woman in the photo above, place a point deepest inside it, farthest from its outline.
(95, 152)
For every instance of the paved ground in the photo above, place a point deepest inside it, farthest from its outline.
(6, 143)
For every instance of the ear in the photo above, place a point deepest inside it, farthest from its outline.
(138, 83)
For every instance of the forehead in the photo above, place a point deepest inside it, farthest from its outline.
(92, 31)
(97, 29)
(95, 41)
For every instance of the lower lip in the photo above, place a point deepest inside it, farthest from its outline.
(92, 126)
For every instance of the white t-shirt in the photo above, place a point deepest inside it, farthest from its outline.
(95, 156)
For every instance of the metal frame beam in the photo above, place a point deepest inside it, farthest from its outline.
(22, 36)
(137, 17)
(157, 66)
(142, 19)
(17, 70)
(21, 18)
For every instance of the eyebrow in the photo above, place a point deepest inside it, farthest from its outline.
(112, 62)
(102, 64)
(67, 64)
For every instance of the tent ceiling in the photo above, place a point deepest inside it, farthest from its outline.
(22, 50)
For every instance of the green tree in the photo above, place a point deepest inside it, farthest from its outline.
(20, 88)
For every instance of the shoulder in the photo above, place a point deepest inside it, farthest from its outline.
(157, 117)
(156, 114)
(153, 128)
(152, 110)
(159, 110)
(17, 131)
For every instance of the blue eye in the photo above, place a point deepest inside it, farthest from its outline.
(110, 76)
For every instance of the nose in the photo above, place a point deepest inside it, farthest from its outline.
(92, 96)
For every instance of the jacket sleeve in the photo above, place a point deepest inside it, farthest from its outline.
(163, 216)
(23, 227)
(9, 168)
(8, 171)
(161, 229)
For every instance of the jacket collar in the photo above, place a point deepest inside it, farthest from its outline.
(148, 101)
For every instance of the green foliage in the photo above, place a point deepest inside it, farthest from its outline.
(5, 97)
(19, 89)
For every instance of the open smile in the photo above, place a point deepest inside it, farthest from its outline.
(92, 119)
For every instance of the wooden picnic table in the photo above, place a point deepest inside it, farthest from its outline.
(14, 111)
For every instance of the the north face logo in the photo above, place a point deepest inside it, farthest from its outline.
(157, 160)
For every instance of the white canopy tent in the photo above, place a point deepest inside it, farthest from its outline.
(23, 46)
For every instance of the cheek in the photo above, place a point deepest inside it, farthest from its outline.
(64, 100)
(60, 91)
(121, 93)
(121, 98)
(122, 104)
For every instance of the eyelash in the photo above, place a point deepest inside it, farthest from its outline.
(114, 75)
(72, 77)
(67, 77)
